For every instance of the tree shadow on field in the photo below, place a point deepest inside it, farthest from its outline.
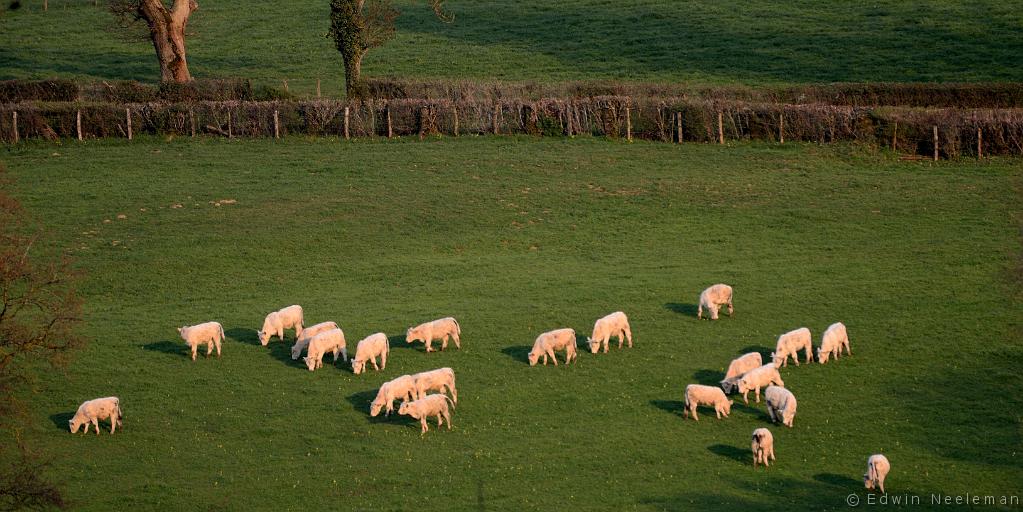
(674, 407)
(682, 309)
(61, 419)
(244, 335)
(172, 348)
(732, 452)
(842, 481)
(518, 352)
(708, 377)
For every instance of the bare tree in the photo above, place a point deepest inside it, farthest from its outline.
(359, 25)
(39, 311)
(166, 30)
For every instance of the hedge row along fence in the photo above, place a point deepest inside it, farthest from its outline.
(946, 95)
(947, 133)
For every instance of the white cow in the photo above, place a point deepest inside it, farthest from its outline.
(403, 387)
(368, 349)
(789, 344)
(548, 342)
(210, 333)
(440, 329)
(832, 342)
(738, 367)
(758, 378)
(90, 412)
(429, 405)
(615, 324)
(762, 446)
(275, 323)
(332, 342)
(307, 335)
(713, 298)
(877, 469)
(781, 405)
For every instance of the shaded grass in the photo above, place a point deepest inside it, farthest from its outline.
(651, 40)
(513, 239)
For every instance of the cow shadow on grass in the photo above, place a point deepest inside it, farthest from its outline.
(732, 452)
(172, 348)
(765, 352)
(247, 336)
(362, 399)
(518, 352)
(282, 352)
(674, 407)
(682, 309)
(842, 481)
(61, 419)
(708, 377)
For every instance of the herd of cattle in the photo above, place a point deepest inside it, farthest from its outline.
(746, 373)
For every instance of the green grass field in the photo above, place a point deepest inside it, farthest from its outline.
(515, 236)
(651, 40)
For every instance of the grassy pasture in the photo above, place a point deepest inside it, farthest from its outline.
(921, 261)
(651, 40)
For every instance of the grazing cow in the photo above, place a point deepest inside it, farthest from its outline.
(332, 341)
(832, 342)
(697, 394)
(210, 333)
(758, 378)
(440, 329)
(615, 324)
(781, 405)
(307, 335)
(789, 344)
(403, 387)
(275, 323)
(90, 412)
(368, 349)
(429, 405)
(713, 298)
(738, 367)
(548, 342)
(877, 469)
(762, 446)
(441, 379)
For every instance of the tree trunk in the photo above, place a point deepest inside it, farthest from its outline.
(167, 29)
(353, 74)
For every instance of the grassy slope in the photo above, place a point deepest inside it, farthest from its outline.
(513, 239)
(651, 40)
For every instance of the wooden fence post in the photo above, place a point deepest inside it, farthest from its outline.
(568, 119)
(346, 122)
(721, 128)
(14, 121)
(127, 115)
(980, 153)
(277, 125)
(781, 127)
(497, 108)
(230, 134)
(285, 85)
(390, 129)
(78, 124)
(628, 124)
(317, 87)
(422, 123)
(456, 121)
(678, 126)
(935, 143)
(895, 138)
(191, 121)
(46, 5)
